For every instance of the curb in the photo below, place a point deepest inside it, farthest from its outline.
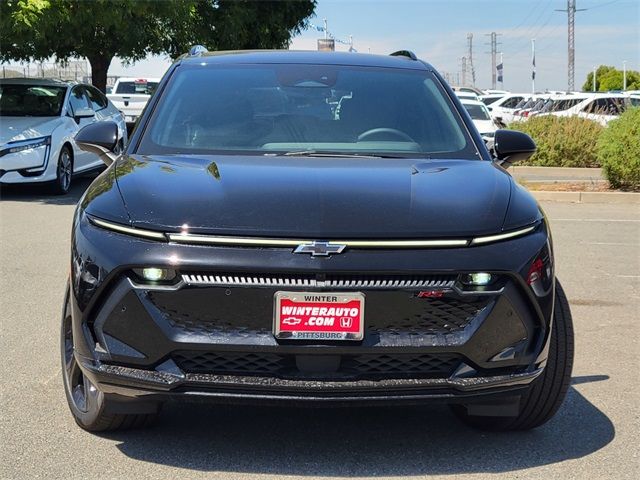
(588, 197)
(578, 172)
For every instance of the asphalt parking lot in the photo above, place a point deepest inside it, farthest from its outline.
(593, 435)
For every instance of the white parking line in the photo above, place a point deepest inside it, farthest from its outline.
(610, 243)
(594, 220)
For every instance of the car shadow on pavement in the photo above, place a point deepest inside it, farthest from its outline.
(35, 193)
(356, 442)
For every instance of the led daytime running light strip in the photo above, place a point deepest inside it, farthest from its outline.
(138, 232)
(502, 236)
(289, 242)
(276, 242)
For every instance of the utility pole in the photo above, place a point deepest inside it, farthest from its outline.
(470, 57)
(464, 71)
(594, 78)
(494, 52)
(571, 23)
(533, 65)
(624, 76)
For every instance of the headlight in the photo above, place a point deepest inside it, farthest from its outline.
(21, 145)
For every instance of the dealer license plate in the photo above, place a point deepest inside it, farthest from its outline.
(318, 315)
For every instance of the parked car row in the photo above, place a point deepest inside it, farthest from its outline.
(507, 107)
(599, 107)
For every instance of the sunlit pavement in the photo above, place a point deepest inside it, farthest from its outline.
(595, 434)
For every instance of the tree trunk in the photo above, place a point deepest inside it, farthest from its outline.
(99, 70)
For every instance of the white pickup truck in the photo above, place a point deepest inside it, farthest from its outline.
(130, 95)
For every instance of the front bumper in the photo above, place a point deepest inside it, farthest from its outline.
(215, 341)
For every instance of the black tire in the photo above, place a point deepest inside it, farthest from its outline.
(88, 405)
(541, 402)
(64, 172)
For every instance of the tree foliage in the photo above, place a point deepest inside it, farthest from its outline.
(609, 78)
(99, 30)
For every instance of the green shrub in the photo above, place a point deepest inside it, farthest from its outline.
(562, 141)
(619, 150)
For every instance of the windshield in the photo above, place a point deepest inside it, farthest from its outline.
(31, 100)
(477, 112)
(561, 105)
(141, 87)
(490, 100)
(279, 108)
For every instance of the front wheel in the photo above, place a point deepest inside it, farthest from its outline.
(88, 405)
(541, 402)
(64, 172)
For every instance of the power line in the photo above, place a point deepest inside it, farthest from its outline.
(523, 41)
(603, 5)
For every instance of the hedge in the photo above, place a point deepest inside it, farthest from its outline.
(562, 141)
(619, 150)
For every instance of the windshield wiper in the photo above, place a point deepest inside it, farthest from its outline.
(320, 153)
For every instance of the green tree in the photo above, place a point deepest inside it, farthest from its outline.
(609, 78)
(99, 30)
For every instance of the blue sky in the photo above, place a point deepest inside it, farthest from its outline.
(608, 32)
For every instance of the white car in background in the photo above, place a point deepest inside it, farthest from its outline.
(503, 110)
(599, 107)
(130, 96)
(466, 95)
(38, 122)
(481, 117)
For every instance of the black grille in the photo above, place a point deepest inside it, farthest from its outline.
(429, 317)
(231, 363)
(248, 312)
(401, 365)
(212, 312)
(365, 366)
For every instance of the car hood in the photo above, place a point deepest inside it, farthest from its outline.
(320, 198)
(23, 128)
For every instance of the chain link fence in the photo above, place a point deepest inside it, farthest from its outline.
(77, 70)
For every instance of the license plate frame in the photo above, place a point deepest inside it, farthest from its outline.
(340, 330)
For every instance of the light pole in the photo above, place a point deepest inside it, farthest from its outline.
(594, 79)
(624, 75)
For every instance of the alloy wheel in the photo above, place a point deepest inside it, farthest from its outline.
(65, 170)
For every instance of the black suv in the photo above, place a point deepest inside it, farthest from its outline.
(311, 227)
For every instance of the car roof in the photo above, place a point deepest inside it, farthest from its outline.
(470, 101)
(304, 57)
(135, 79)
(49, 82)
(573, 96)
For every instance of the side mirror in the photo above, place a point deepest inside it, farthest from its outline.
(100, 138)
(512, 146)
(84, 113)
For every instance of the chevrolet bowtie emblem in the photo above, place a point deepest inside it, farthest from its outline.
(322, 249)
